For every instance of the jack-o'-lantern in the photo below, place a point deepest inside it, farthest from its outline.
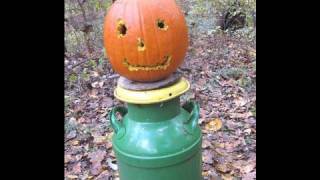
(145, 40)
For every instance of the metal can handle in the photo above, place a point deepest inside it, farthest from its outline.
(115, 124)
(193, 108)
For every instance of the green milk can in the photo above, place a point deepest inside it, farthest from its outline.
(156, 138)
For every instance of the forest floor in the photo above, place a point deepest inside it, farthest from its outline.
(221, 68)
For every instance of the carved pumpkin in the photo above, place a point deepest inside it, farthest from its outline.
(145, 40)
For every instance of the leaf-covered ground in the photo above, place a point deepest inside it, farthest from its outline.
(222, 71)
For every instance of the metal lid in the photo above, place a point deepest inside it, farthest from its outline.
(152, 96)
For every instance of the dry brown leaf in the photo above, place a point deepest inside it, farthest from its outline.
(248, 168)
(109, 145)
(77, 168)
(205, 173)
(94, 74)
(96, 169)
(241, 115)
(72, 176)
(94, 84)
(101, 84)
(87, 177)
(95, 158)
(207, 157)
(227, 177)
(214, 125)
(240, 101)
(249, 176)
(68, 158)
(222, 167)
(112, 153)
(104, 175)
(107, 102)
(206, 143)
(97, 84)
(75, 143)
(81, 120)
(99, 140)
(248, 131)
(71, 135)
(93, 93)
(252, 52)
(78, 157)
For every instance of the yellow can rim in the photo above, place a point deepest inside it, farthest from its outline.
(152, 96)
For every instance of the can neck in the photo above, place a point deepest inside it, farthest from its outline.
(154, 112)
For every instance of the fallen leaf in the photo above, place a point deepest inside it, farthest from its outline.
(205, 173)
(86, 176)
(252, 53)
(109, 145)
(103, 175)
(93, 93)
(241, 115)
(213, 175)
(230, 146)
(103, 115)
(81, 120)
(248, 131)
(94, 84)
(248, 168)
(97, 84)
(232, 125)
(112, 153)
(112, 165)
(75, 143)
(249, 176)
(203, 112)
(222, 167)
(99, 140)
(71, 135)
(68, 158)
(227, 177)
(214, 125)
(96, 169)
(107, 102)
(72, 176)
(206, 143)
(76, 169)
(207, 157)
(101, 84)
(78, 157)
(94, 74)
(240, 101)
(95, 158)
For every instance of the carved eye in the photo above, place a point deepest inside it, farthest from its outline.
(121, 28)
(162, 25)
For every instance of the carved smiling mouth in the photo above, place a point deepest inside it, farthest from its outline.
(161, 66)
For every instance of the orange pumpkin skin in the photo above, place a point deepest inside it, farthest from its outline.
(145, 40)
